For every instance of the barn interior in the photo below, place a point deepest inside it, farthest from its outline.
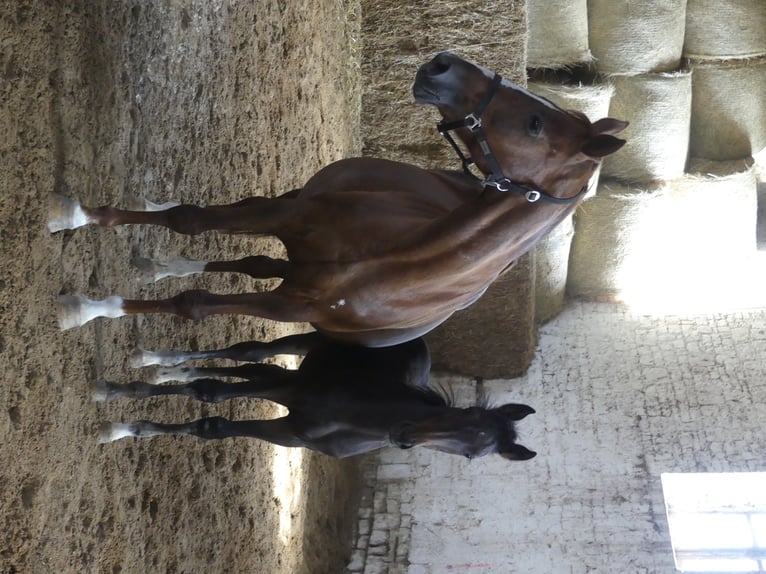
(636, 329)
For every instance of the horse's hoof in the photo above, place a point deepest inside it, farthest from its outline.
(70, 311)
(139, 358)
(110, 432)
(76, 310)
(65, 213)
(99, 391)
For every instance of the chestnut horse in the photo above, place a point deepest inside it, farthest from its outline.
(344, 400)
(381, 252)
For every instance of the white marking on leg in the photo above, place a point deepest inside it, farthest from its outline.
(150, 206)
(65, 214)
(110, 432)
(166, 358)
(99, 392)
(76, 310)
(178, 267)
(180, 374)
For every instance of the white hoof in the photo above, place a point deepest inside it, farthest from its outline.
(65, 213)
(110, 432)
(99, 392)
(76, 310)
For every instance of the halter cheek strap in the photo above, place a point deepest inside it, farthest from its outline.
(496, 177)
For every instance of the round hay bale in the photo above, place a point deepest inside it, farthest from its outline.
(592, 100)
(728, 118)
(551, 269)
(658, 107)
(398, 38)
(629, 37)
(557, 33)
(552, 253)
(603, 245)
(725, 30)
(671, 241)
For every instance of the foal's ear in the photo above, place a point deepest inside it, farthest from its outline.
(518, 452)
(516, 412)
(608, 126)
(601, 145)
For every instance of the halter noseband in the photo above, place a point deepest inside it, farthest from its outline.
(496, 177)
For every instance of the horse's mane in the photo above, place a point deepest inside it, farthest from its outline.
(437, 395)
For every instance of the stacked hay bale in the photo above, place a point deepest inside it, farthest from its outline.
(654, 211)
(558, 33)
(592, 98)
(496, 336)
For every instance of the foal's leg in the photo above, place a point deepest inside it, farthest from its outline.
(250, 372)
(252, 215)
(276, 431)
(253, 351)
(275, 389)
(277, 305)
(258, 267)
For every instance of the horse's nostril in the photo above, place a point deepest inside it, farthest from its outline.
(441, 63)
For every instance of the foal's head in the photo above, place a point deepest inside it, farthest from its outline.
(472, 432)
(536, 144)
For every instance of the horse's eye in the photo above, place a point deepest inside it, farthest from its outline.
(534, 124)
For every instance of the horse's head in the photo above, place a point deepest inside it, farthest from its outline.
(514, 136)
(471, 432)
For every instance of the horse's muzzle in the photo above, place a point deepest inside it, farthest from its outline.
(437, 80)
(401, 435)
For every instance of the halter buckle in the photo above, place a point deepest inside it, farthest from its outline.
(472, 121)
(532, 195)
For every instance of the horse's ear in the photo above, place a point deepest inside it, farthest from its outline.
(516, 412)
(518, 452)
(601, 145)
(608, 126)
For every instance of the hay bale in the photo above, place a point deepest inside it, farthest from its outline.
(552, 253)
(557, 33)
(725, 30)
(667, 241)
(551, 270)
(494, 337)
(658, 107)
(728, 119)
(629, 37)
(399, 37)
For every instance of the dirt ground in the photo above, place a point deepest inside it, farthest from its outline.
(194, 101)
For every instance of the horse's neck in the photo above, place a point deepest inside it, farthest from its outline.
(497, 225)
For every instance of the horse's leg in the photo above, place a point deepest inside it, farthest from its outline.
(276, 431)
(252, 215)
(252, 351)
(250, 372)
(277, 388)
(258, 267)
(277, 305)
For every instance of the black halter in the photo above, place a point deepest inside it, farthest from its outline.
(496, 177)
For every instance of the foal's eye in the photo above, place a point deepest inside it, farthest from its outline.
(534, 124)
